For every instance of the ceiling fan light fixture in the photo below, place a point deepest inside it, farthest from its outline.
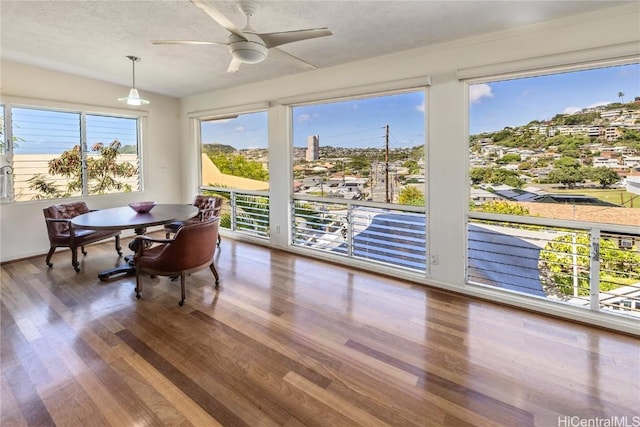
(248, 51)
(134, 96)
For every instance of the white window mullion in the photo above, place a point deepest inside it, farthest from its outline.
(83, 153)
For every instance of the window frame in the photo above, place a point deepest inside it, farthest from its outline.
(532, 68)
(82, 111)
(376, 91)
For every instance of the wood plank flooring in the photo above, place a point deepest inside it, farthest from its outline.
(291, 341)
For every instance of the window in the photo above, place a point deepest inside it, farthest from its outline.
(51, 159)
(362, 149)
(359, 179)
(557, 147)
(235, 152)
(235, 166)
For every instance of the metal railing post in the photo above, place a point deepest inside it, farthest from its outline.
(594, 273)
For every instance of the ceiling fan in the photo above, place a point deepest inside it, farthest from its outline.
(247, 46)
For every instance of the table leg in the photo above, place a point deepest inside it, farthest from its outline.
(128, 268)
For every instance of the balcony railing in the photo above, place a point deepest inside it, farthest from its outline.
(243, 211)
(391, 234)
(591, 265)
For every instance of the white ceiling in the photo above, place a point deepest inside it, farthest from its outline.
(93, 38)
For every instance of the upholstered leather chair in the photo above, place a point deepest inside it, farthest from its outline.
(208, 207)
(191, 249)
(62, 233)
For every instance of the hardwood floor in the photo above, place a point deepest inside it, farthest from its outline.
(292, 341)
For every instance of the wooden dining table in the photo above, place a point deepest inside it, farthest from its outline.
(124, 218)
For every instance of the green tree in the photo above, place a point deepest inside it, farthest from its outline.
(238, 165)
(556, 265)
(503, 207)
(567, 171)
(504, 176)
(103, 172)
(567, 176)
(478, 175)
(606, 176)
(621, 96)
(510, 158)
(411, 195)
(413, 166)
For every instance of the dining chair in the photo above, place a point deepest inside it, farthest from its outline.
(191, 249)
(208, 207)
(62, 233)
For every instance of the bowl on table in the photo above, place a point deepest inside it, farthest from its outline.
(142, 207)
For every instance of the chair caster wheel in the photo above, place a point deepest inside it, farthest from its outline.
(138, 296)
(181, 303)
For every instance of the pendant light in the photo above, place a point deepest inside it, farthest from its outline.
(134, 96)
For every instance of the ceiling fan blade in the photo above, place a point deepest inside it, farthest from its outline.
(234, 66)
(284, 56)
(193, 42)
(218, 17)
(277, 39)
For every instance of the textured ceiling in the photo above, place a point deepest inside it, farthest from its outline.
(93, 38)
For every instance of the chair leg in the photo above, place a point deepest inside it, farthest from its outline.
(212, 267)
(219, 240)
(84, 252)
(183, 279)
(138, 283)
(51, 251)
(74, 258)
(118, 247)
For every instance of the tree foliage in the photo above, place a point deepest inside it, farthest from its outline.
(605, 176)
(503, 207)
(569, 253)
(495, 175)
(104, 172)
(411, 195)
(238, 165)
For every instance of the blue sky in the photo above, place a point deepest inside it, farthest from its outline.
(356, 123)
(493, 106)
(52, 132)
(497, 105)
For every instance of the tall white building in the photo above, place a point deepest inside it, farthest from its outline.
(313, 147)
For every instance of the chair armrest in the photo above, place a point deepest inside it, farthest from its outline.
(152, 240)
(67, 220)
(140, 243)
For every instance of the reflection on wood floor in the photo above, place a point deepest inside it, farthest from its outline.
(292, 341)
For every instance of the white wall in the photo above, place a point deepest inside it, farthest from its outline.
(576, 39)
(22, 229)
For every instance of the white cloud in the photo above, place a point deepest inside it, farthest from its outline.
(303, 118)
(571, 110)
(239, 129)
(477, 92)
(599, 103)
(420, 107)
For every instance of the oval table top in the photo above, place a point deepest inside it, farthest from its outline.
(124, 217)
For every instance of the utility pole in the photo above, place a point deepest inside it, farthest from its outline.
(386, 164)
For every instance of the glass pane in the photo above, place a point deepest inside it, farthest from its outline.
(3, 148)
(235, 152)
(362, 149)
(563, 146)
(46, 154)
(112, 154)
